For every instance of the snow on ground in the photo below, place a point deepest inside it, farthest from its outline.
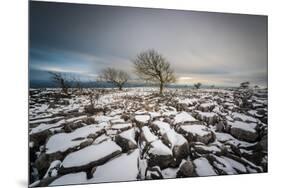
(90, 154)
(121, 168)
(175, 138)
(224, 165)
(203, 167)
(75, 119)
(148, 135)
(52, 169)
(243, 117)
(250, 127)
(74, 142)
(142, 118)
(70, 179)
(129, 135)
(163, 127)
(211, 148)
(207, 104)
(154, 114)
(183, 117)
(199, 130)
(228, 139)
(170, 172)
(63, 141)
(236, 165)
(206, 114)
(101, 138)
(158, 148)
(45, 120)
(188, 101)
(43, 127)
(102, 118)
(121, 126)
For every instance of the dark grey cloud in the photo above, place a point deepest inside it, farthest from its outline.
(214, 48)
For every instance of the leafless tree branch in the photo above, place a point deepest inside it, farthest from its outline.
(114, 76)
(153, 67)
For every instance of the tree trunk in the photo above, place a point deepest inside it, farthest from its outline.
(120, 88)
(161, 88)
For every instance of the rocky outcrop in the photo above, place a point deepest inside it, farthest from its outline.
(153, 173)
(159, 154)
(142, 119)
(206, 107)
(178, 145)
(209, 117)
(126, 140)
(197, 133)
(187, 169)
(89, 157)
(183, 133)
(244, 131)
(199, 149)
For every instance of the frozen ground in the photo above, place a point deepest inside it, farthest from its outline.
(135, 134)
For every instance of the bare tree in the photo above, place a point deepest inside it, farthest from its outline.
(60, 80)
(197, 85)
(153, 67)
(114, 76)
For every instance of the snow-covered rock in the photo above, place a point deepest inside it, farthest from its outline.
(147, 136)
(170, 172)
(63, 141)
(197, 133)
(70, 179)
(188, 101)
(121, 168)
(185, 104)
(178, 144)
(43, 127)
(44, 121)
(159, 154)
(142, 120)
(183, 133)
(203, 167)
(153, 173)
(242, 117)
(53, 169)
(126, 140)
(121, 126)
(43, 131)
(209, 117)
(102, 118)
(207, 106)
(183, 117)
(89, 157)
(160, 127)
(228, 166)
(244, 131)
(202, 149)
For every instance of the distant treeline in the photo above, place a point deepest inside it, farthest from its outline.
(95, 84)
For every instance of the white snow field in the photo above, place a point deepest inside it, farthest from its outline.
(135, 134)
(90, 154)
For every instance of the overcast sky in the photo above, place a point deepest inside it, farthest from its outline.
(212, 48)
